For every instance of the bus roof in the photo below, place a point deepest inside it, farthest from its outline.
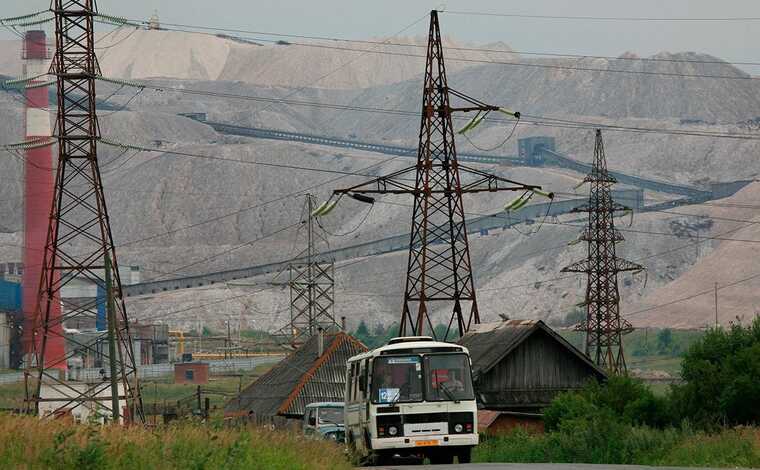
(402, 344)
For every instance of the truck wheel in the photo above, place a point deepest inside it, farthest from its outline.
(465, 455)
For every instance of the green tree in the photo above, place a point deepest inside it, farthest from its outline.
(722, 378)
(362, 333)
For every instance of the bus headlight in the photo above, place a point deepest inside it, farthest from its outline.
(392, 430)
(458, 428)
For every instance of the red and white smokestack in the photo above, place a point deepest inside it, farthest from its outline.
(39, 185)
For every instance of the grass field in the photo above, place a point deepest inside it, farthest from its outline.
(219, 389)
(671, 365)
(185, 445)
(163, 390)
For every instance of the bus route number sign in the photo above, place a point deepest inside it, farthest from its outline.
(388, 395)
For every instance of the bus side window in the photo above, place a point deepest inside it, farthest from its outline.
(361, 383)
(364, 386)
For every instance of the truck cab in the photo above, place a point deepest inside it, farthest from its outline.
(324, 420)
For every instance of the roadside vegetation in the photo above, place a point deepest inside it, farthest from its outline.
(27, 442)
(709, 420)
(647, 349)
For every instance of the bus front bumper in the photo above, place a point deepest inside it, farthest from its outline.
(423, 442)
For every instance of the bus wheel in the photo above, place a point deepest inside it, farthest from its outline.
(441, 457)
(464, 455)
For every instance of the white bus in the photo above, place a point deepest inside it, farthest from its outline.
(411, 398)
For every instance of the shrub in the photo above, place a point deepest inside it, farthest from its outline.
(623, 399)
(721, 378)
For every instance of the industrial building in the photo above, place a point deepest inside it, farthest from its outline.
(315, 372)
(191, 373)
(151, 341)
(11, 319)
(521, 365)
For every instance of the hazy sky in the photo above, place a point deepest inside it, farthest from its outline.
(733, 41)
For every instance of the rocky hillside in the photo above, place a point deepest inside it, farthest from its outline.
(160, 202)
(200, 56)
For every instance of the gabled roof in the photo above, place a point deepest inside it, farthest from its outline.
(489, 343)
(301, 378)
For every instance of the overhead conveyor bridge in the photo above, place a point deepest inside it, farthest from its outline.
(534, 151)
(535, 212)
(262, 133)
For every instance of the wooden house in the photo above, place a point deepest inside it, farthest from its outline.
(521, 365)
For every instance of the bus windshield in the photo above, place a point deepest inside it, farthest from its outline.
(447, 378)
(397, 379)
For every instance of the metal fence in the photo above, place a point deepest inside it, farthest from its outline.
(217, 367)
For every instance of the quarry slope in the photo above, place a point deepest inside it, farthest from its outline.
(160, 203)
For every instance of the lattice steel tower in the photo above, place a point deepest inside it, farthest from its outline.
(312, 288)
(439, 267)
(79, 243)
(603, 326)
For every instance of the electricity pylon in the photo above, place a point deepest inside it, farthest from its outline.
(79, 243)
(439, 267)
(603, 326)
(312, 289)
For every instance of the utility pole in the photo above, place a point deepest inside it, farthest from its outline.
(604, 327)
(79, 240)
(111, 317)
(228, 349)
(716, 305)
(439, 267)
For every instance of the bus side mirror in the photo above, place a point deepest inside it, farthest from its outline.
(362, 383)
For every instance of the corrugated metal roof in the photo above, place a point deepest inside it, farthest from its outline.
(489, 343)
(301, 378)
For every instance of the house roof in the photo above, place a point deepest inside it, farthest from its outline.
(489, 343)
(301, 378)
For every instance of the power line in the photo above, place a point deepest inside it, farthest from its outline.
(212, 157)
(366, 258)
(692, 296)
(741, 76)
(541, 121)
(255, 206)
(230, 250)
(187, 28)
(600, 18)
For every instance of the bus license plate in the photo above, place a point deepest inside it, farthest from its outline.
(433, 442)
